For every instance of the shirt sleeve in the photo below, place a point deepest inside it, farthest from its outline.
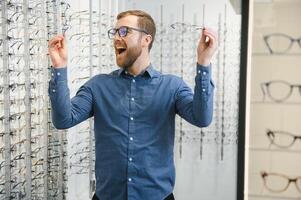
(197, 107)
(68, 112)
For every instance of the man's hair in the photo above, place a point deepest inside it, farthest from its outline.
(145, 22)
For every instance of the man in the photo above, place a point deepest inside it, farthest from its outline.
(134, 110)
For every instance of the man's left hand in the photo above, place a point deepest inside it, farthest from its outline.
(207, 46)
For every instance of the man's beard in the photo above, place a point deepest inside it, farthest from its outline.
(129, 57)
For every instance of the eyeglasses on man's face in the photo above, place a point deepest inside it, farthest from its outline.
(123, 31)
(279, 43)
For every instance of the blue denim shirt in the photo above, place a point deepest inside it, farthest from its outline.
(134, 123)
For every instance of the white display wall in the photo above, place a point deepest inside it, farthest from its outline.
(274, 150)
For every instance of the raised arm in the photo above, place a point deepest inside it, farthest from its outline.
(66, 112)
(197, 108)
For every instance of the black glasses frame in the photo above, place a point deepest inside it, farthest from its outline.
(112, 32)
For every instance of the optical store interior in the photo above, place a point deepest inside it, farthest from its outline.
(250, 151)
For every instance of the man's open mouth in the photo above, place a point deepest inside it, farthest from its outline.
(120, 50)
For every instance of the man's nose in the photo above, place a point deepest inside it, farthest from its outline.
(117, 40)
(117, 37)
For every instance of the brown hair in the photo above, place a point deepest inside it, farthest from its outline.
(145, 22)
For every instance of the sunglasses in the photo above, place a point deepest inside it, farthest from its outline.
(123, 31)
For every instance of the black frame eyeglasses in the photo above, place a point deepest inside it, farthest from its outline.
(123, 31)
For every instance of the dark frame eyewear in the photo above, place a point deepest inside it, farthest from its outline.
(123, 31)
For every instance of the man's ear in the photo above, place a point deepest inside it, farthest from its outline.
(147, 40)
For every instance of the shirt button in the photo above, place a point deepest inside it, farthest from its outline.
(53, 90)
(52, 74)
(203, 90)
(199, 71)
(131, 138)
(130, 159)
(58, 73)
(134, 81)
(132, 99)
(130, 179)
(204, 73)
(132, 118)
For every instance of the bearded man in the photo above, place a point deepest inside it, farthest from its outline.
(134, 109)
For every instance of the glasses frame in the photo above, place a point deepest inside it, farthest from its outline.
(185, 26)
(265, 174)
(112, 32)
(292, 40)
(272, 134)
(267, 84)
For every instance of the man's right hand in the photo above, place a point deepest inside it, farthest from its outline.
(57, 51)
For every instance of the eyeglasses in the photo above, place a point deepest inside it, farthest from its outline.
(185, 26)
(282, 139)
(275, 182)
(278, 90)
(123, 31)
(279, 43)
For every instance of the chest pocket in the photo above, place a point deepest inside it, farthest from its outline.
(153, 98)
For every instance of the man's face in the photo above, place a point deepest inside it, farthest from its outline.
(128, 48)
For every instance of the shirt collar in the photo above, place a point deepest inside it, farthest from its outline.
(150, 71)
